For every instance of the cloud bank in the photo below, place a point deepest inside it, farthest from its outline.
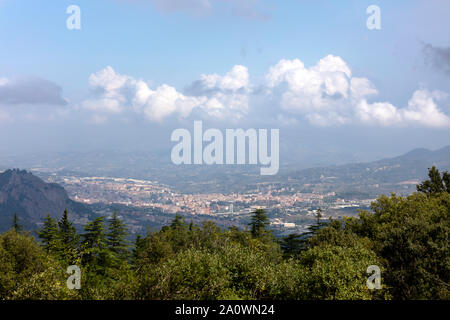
(222, 97)
(325, 94)
(328, 94)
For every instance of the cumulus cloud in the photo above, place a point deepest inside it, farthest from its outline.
(328, 94)
(382, 113)
(214, 95)
(30, 90)
(361, 87)
(224, 96)
(324, 94)
(422, 110)
(114, 93)
(164, 101)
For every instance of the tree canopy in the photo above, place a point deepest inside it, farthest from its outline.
(406, 237)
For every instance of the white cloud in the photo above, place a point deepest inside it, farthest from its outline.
(109, 81)
(378, 113)
(214, 95)
(361, 87)
(317, 92)
(422, 111)
(234, 80)
(224, 97)
(165, 101)
(327, 94)
(108, 87)
(324, 94)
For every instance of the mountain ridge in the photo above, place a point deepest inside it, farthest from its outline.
(31, 199)
(397, 174)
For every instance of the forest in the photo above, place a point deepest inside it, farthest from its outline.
(406, 237)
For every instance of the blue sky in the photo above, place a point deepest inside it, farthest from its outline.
(137, 69)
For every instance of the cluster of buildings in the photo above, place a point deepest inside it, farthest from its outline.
(151, 194)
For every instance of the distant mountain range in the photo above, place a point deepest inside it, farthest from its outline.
(410, 166)
(223, 178)
(31, 199)
(371, 179)
(398, 174)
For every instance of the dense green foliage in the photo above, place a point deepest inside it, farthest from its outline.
(406, 237)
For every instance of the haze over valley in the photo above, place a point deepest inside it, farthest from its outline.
(147, 191)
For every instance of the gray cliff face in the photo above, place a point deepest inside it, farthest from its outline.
(31, 198)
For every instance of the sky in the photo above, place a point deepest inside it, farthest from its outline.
(136, 70)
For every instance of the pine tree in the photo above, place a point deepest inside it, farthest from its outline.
(16, 225)
(178, 222)
(139, 247)
(435, 184)
(95, 250)
(258, 223)
(49, 233)
(116, 237)
(315, 227)
(292, 244)
(68, 239)
(312, 230)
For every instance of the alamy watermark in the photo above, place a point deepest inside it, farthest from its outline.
(74, 281)
(374, 281)
(235, 151)
(73, 22)
(374, 20)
